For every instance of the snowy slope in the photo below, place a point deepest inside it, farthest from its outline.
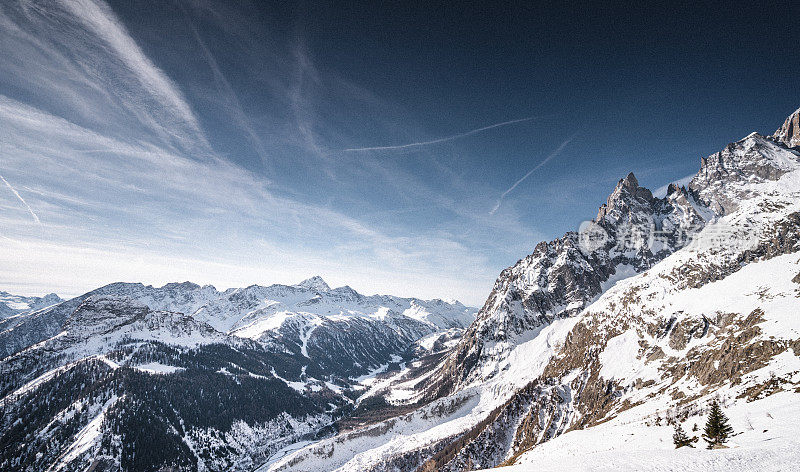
(766, 440)
(121, 381)
(632, 231)
(246, 310)
(582, 356)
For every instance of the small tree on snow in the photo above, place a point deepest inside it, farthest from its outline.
(681, 439)
(717, 430)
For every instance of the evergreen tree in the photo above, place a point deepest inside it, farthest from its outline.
(681, 439)
(717, 430)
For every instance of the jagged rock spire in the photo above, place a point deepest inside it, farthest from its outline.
(625, 196)
(789, 133)
(629, 182)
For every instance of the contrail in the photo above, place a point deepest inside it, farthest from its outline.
(21, 199)
(539, 165)
(438, 140)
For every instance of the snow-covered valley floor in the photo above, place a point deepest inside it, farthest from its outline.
(767, 440)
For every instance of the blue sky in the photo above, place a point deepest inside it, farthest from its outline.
(408, 149)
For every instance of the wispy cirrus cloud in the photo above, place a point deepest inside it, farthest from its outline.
(232, 101)
(98, 18)
(112, 154)
(305, 76)
(109, 198)
(76, 59)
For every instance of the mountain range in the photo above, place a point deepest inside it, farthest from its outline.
(142, 378)
(587, 352)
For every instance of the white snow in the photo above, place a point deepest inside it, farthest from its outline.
(622, 272)
(765, 285)
(283, 452)
(108, 361)
(661, 192)
(766, 440)
(15, 305)
(234, 312)
(307, 335)
(298, 386)
(261, 325)
(158, 368)
(618, 355)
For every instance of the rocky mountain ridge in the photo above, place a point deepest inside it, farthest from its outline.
(632, 232)
(253, 312)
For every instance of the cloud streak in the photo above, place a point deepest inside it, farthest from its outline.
(235, 106)
(99, 18)
(439, 140)
(30, 210)
(107, 148)
(122, 209)
(77, 60)
(537, 167)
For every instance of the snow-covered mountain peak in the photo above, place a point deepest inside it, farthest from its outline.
(346, 293)
(181, 286)
(628, 184)
(789, 133)
(728, 177)
(315, 283)
(688, 298)
(685, 298)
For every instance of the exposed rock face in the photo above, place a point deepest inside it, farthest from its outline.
(101, 315)
(563, 342)
(19, 332)
(671, 341)
(626, 198)
(727, 180)
(789, 133)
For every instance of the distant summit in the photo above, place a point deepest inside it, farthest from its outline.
(11, 305)
(315, 283)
